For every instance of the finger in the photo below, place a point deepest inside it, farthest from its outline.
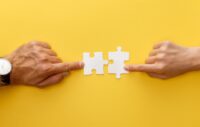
(53, 79)
(151, 60)
(58, 68)
(155, 75)
(154, 52)
(142, 68)
(157, 46)
(63, 67)
(75, 66)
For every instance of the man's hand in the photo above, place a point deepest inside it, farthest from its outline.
(168, 60)
(36, 64)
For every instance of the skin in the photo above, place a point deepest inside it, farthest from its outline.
(168, 60)
(36, 64)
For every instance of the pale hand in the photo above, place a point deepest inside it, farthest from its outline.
(168, 60)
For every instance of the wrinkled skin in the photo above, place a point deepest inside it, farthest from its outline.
(36, 64)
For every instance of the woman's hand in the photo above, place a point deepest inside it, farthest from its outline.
(168, 60)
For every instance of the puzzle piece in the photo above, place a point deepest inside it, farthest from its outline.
(97, 63)
(118, 58)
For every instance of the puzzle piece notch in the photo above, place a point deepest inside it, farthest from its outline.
(97, 63)
(118, 58)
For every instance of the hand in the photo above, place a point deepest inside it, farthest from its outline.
(36, 64)
(168, 60)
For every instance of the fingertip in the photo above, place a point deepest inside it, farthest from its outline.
(81, 64)
(77, 65)
(135, 67)
(129, 68)
(74, 66)
(126, 67)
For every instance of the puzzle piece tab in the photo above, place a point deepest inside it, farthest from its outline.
(118, 58)
(96, 63)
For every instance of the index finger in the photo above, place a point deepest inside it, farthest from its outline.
(75, 66)
(142, 67)
(64, 67)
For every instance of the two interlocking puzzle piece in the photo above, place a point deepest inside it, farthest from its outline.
(97, 62)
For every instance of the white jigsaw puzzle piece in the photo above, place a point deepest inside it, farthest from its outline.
(118, 58)
(96, 63)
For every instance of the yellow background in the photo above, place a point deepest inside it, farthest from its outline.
(75, 26)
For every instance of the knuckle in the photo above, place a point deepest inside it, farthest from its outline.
(167, 43)
(38, 49)
(33, 43)
(164, 49)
